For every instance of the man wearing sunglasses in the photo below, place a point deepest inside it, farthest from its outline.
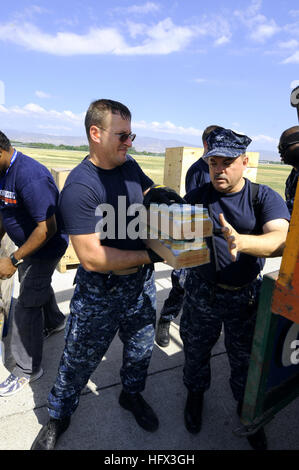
(115, 289)
(289, 153)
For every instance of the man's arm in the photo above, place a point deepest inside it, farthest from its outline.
(95, 257)
(267, 245)
(40, 235)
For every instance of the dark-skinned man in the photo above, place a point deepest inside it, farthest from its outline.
(289, 151)
(28, 209)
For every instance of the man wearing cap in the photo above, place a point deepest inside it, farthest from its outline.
(289, 152)
(225, 291)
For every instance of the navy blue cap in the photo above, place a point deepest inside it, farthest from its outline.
(226, 143)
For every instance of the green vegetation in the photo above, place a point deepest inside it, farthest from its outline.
(271, 174)
(41, 145)
(274, 176)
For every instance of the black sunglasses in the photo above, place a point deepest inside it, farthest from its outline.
(123, 136)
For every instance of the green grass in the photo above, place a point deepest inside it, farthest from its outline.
(271, 175)
(274, 176)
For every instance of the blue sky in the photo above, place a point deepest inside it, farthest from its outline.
(179, 65)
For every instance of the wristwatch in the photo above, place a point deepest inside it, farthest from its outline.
(15, 261)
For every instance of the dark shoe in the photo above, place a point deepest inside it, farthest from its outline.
(51, 331)
(48, 435)
(162, 334)
(193, 411)
(142, 412)
(258, 440)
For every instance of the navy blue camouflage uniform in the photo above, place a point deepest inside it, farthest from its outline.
(206, 308)
(223, 292)
(104, 303)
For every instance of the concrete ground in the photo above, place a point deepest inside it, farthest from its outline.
(101, 424)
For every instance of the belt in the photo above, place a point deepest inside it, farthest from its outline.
(233, 288)
(226, 287)
(122, 272)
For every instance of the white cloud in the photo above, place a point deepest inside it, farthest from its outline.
(294, 13)
(294, 84)
(291, 44)
(33, 111)
(260, 27)
(293, 59)
(167, 127)
(162, 38)
(148, 7)
(200, 80)
(42, 94)
(265, 139)
(36, 117)
(221, 40)
(264, 31)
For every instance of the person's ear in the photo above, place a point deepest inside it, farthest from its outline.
(94, 134)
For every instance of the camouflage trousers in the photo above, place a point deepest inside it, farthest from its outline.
(103, 304)
(206, 308)
(173, 304)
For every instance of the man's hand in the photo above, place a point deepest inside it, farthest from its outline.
(269, 244)
(231, 236)
(7, 269)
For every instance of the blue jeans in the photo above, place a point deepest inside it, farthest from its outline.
(35, 309)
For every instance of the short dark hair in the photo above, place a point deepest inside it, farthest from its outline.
(208, 130)
(98, 110)
(4, 142)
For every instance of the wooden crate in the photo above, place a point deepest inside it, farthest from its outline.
(179, 159)
(60, 175)
(69, 259)
(177, 162)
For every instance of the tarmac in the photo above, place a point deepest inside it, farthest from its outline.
(99, 423)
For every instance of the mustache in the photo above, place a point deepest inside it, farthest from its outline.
(220, 177)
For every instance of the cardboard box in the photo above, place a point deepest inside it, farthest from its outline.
(186, 258)
(179, 222)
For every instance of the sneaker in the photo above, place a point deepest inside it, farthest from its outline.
(162, 334)
(50, 331)
(48, 435)
(142, 412)
(14, 384)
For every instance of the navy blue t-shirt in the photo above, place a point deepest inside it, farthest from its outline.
(89, 187)
(28, 195)
(238, 211)
(197, 175)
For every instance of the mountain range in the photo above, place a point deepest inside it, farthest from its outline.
(141, 143)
